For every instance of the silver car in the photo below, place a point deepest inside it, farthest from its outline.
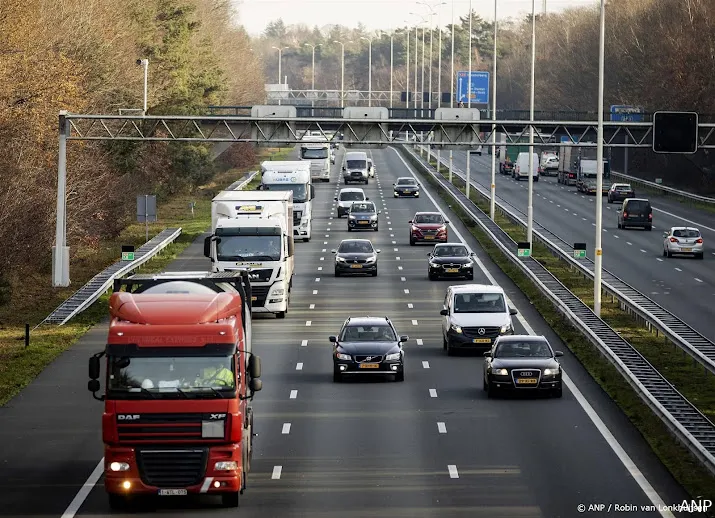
(683, 240)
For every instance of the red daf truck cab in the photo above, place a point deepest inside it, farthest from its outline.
(179, 377)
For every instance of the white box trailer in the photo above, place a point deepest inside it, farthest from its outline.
(294, 176)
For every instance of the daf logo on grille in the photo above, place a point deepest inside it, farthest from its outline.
(128, 417)
(481, 331)
(527, 373)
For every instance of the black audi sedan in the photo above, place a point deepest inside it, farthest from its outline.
(450, 260)
(363, 215)
(355, 256)
(406, 186)
(368, 345)
(522, 363)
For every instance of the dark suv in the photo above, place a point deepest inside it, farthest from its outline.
(368, 345)
(363, 215)
(636, 212)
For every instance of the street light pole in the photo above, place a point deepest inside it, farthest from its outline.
(598, 263)
(392, 58)
(313, 71)
(342, 73)
(492, 199)
(530, 206)
(369, 70)
(469, 97)
(407, 73)
(451, 89)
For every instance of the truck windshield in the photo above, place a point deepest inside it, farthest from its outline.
(171, 377)
(299, 190)
(249, 248)
(308, 153)
(357, 164)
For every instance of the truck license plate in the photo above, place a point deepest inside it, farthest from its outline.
(173, 492)
(254, 298)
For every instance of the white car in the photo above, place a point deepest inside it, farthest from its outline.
(683, 240)
(347, 197)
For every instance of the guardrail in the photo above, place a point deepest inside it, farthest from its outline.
(664, 188)
(697, 346)
(683, 419)
(100, 283)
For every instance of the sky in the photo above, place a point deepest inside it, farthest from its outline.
(254, 15)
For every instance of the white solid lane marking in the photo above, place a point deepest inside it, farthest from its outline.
(409, 306)
(432, 392)
(315, 292)
(293, 394)
(694, 223)
(276, 472)
(453, 473)
(441, 427)
(308, 323)
(698, 279)
(299, 366)
(407, 292)
(419, 341)
(312, 306)
(84, 491)
(425, 365)
(286, 429)
(304, 343)
(414, 322)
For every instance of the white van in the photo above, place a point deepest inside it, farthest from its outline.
(355, 168)
(521, 168)
(347, 197)
(473, 316)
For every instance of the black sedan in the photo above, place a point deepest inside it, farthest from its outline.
(406, 186)
(450, 260)
(356, 256)
(522, 363)
(368, 345)
(363, 215)
(620, 191)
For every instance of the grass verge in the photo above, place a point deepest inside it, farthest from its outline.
(690, 380)
(20, 365)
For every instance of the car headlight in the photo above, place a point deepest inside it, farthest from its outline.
(341, 356)
(226, 465)
(505, 329)
(551, 372)
(500, 372)
(392, 357)
(442, 229)
(434, 265)
(370, 260)
(340, 259)
(373, 217)
(351, 216)
(456, 328)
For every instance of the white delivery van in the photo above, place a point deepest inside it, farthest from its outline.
(521, 168)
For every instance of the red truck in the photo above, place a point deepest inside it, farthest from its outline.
(179, 376)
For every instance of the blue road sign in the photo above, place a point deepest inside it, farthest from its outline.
(623, 113)
(480, 87)
(565, 139)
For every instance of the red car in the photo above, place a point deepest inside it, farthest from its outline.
(428, 227)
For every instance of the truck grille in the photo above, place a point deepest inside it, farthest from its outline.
(153, 428)
(473, 332)
(259, 295)
(263, 275)
(172, 468)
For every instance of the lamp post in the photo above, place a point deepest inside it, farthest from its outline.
(342, 73)
(369, 70)
(451, 89)
(598, 263)
(431, 38)
(144, 63)
(492, 199)
(530, 206)
(469, 97)
(280, 51)
(312, 87)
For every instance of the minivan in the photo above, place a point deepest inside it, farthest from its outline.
(522, 167)
(355, 168)
(347, 197)
(473, 316)
(636, 212)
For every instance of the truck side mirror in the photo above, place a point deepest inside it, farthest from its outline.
(255, 385)
(207, 246)
(93, 386)
(254, 366)
(94, 368)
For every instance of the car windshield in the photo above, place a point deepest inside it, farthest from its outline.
(525, 349)
(406, 181)
(355, 247)
(362, 207)
(368, 333)
(315, 153)
(686, 233)
(428, 218)
(300, 191)
(479, 303)
(356, 164)
(450, 251)
(352, 196)
(249, 248)
(172, 376)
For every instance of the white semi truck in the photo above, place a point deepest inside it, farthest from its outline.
(294, 176)
(315, 149)
(254, 229)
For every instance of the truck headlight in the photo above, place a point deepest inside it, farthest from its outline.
(341, 356)
(392, 357)
(551, 372)
(456, 328)
(500, 372)
(119, 466)
(277, 291)
(226, 465)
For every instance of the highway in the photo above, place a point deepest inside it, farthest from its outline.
(682, 285)
(431, 446)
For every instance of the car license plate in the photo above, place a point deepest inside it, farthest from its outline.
(429, 237)
(687, 249)
(254, 298)
(482, 341)
(355, 266)
(526, 381)
(408, 192)
(173, 492)
(369, 365)
(363, 222)
(451, 270)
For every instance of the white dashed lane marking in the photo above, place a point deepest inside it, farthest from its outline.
(293, 394)
(304, 343)
(453, 473)
(409, 306)
(425, 365)
(317, 279)
(308, 323)
(276, 472)
(403, 279)
(299, 366)
(419, 341)
(698, 279)
(407, 292)
(432, 392)
(441, 427)
(312, 306)
(315, 292)
(414, 322)
(286, 429)
(678, 269)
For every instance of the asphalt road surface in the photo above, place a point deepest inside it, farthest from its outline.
(683, 285)
(433, 446)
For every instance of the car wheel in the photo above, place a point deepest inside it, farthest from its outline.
(431, 276)
(306, 239)
(649, 228)
(610, 200)
(412, 242)
(699, 256)
(374, 274)
(337, 273)
(668, 253)
(491, 391)
(619, 225)
(349, 229)
(450, 350)
(336, 375)
(558, 392)
(485, 385)
(400, 376)
(229, 499)
(665, 254)
(376, 229)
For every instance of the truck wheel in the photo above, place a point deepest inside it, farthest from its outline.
(229, 499)
(118, 502)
